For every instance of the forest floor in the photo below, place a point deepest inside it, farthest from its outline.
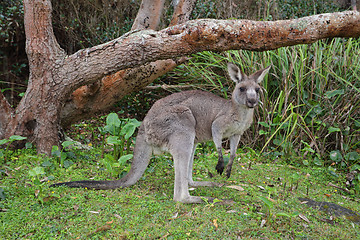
(264, 202)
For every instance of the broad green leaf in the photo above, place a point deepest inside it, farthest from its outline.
(282, 214)
(277, 142)
(135, 122)
(113, 140)
(112, 129)
(47, 163)
(4, 141)
(113, 119)
(55, 152)
(67, 143)
(352, 156)
(266, 201)
(28, 145)
(16, 138)
(68, 163)
(102, 130)
(262, 132)
(128, 130)
(336, 156)
(317, 161)
(334, 129)
(355, 167)
(109, 158)
(330, 94)
(36, 171)
(63, 156)
(125, 158)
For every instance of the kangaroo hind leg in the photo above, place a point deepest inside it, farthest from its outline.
(193, 183)
(181, 148)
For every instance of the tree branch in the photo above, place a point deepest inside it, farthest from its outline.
(148, 16)
(39, 30)
(200, 35)
(101, 96)
(182, 12)
(87, 101)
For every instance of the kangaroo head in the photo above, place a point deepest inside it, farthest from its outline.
(247, 88)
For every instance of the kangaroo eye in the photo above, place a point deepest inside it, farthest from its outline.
(242, 89)
(257, 90)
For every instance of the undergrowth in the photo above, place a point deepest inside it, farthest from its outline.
(310, 104)
(265, 201)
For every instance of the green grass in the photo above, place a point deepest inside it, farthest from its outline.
(147, 211)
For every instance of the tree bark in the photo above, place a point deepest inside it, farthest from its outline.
(54, 76)
(102, 95)
(37, 115)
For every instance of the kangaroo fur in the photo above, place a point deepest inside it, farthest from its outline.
(176, 123)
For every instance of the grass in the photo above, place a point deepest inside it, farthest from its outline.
(147, 211)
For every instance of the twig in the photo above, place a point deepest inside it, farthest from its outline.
(165, 86)
(340, 188)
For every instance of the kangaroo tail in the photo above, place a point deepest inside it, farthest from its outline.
(142, 155)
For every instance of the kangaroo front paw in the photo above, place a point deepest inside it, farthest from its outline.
(220, 168)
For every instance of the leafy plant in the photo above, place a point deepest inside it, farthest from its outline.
(62, 155)
(121, 132)
(269, 205)
(9, 141)
(36, 173)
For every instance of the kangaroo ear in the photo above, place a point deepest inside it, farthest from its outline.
(235, 73)
(259, 75)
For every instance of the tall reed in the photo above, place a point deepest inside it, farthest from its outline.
(311, 98)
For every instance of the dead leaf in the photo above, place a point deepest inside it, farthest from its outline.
(110, 222)
(165, 236)
(262, 223)
(174, 216)
(236, 187)
(101, 229)
(215, 224)
(95, 212)
(303, 217)
(49, 198)
(37, 192)
(328, 195)
(232, 211)
(118, 216)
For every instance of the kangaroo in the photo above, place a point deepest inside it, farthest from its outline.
(176, 123)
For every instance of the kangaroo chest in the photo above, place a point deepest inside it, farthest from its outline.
(238, 126)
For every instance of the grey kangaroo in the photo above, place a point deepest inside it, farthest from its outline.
(176, 123)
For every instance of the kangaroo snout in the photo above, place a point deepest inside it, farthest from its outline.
(251, 102)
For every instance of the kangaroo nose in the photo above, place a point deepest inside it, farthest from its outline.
(251, 102)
